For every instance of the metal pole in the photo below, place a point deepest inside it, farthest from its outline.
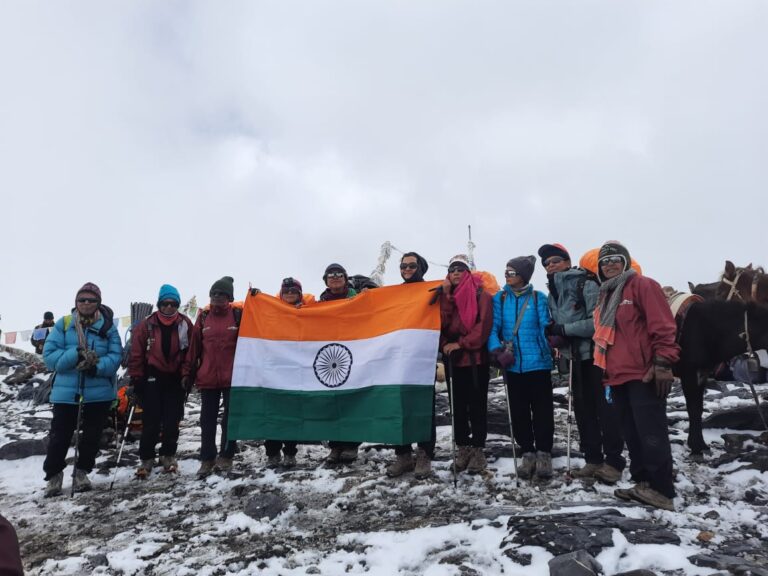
(568, 475)
(122, 443)
(453, 424)
(511, 427)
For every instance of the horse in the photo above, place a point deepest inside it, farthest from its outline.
(746, 284)
(714, 331)
(707, 291)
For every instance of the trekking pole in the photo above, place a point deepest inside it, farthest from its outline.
(453, 419)
(568, 475)
(122, 443)
(511, 427)
(79, 400)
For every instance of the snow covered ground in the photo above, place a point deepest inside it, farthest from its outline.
(355, 520)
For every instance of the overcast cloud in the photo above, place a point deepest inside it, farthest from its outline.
(145, 142)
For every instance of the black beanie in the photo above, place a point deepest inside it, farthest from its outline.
(613, 248)
(523, 265)
(48, 316)
(226, 285)
(334, 268)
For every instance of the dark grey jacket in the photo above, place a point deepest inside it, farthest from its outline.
(573, 313)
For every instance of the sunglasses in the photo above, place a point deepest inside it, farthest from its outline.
(457, 268)
(612, 260)
(291, 291)
(168, 303)
(335, 275)
(554, 260)
(408, 266)
(509, 273)
(218, 294)
(87, 300)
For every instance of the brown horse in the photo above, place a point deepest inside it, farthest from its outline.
(745, 284)
(707, 291)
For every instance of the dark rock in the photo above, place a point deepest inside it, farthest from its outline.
(578, 563)
(735, 442)
(637, 573)
(712, 515)
(23, 449)
(26, 392)
(591, 531)
(268, 504)
(98, 560)
(729, 564)
(740, 418)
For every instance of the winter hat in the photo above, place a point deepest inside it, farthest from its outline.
(89, 287)
(549, 250)
(334, 268)
(225, 284)
(613, 248)
(460, 259)
(524, 266)
(168, 292)
(291, 283)
(48, 316)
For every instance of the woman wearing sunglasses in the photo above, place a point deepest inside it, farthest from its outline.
(635, 347)
(518, 341)
(159, 345)
(85, 351)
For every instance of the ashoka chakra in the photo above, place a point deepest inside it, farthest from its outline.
(332, 365)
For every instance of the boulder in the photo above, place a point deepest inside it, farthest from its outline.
(23, 449)
(739, 418)
(267, 504)
(578, 563)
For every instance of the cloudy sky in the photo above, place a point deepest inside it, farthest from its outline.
(148, 142)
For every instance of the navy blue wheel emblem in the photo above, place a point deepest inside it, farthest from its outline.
(332, 365)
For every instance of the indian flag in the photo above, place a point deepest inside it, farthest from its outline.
(360, 369)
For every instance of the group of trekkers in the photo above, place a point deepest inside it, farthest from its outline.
(611, 325)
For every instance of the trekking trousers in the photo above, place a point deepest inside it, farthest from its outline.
(533, 409)
(163, 405)
(63, 428)
(209, 415)
(470, 402)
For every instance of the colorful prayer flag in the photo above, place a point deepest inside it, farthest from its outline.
(10, 337)
(361, 369)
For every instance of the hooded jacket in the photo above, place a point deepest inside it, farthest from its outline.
(211, 355)
(573, 309)
(147, 354)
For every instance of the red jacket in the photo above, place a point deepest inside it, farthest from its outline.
(212, 349)
(644, 328)
(10, 556)
(148, 352)
(472, 342)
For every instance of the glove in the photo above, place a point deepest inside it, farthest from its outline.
(87, 359)
(440, 372)
(661, 374)
(255, 291)
(504, 357)
(554, 330)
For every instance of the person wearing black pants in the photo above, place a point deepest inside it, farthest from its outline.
(63, 427)
(644, 419)
(470, 402)
(211, 399)
(533, 420)
(163, 405)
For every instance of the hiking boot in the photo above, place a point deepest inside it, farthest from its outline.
(289, 461)
(53, 488)
(273, 461)
(543, 464)
(81, 481)
(626, 493)
(205, 470)
(608, 474)
(144, 469)
(477, 462)
(423, 468)
(348, 455)
(169, 464)
(647, 495)
(463, 454)
(586, 471)
(526, 469)
(334, 456)
(223, 464)
(402, 464)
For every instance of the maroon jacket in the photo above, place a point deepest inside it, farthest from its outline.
(472, 342)
(212, 349)
(147, 352)
(644, 328)
(10, 556)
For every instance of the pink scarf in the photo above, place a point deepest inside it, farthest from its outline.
(465, 296)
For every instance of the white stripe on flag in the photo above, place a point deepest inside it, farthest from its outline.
(396, 358)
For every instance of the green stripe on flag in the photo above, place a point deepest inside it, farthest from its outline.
(386, 414)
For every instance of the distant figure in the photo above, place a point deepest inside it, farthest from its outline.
(41, 332)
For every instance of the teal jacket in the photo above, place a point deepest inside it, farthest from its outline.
(60, 354)
(574, 311)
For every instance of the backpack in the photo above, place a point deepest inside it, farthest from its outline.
(358, 282)
(588, 275)
(236, 312)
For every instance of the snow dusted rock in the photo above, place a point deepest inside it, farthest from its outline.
(591, 531)
(578, 563)
(637, 573)
(739, 418)
(729, 564)
(23, 449)
(268, 505)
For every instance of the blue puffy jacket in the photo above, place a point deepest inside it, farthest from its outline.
(532, 351)
(60, 354)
